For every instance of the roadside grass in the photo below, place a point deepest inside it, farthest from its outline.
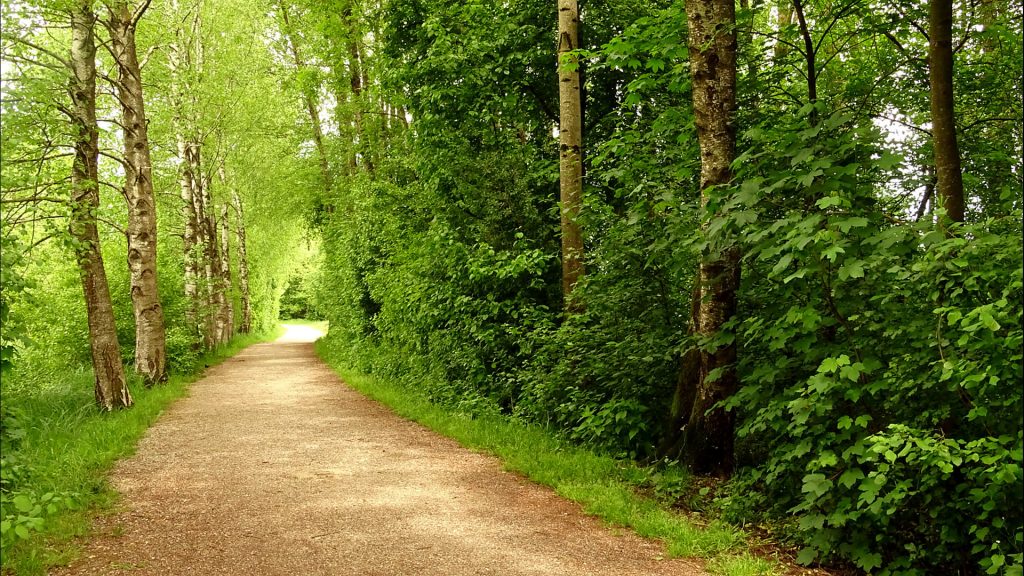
(602, 485)
(69, 448)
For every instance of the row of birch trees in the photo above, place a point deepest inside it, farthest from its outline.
(111, 100)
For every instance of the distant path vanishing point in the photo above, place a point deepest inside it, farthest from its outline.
(272, 466)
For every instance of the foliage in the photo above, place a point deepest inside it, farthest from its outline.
(875, 349)
(883, 435)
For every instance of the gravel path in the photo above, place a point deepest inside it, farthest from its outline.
(272, 466)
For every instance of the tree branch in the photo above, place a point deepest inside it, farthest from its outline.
(19, 40)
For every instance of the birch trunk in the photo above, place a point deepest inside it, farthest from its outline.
(150, 338)
(111, 389)
(570, 135)
(211, 267)
(178, 60)
(949, 177)
(227, 306)
(707, 434)
(243, 266)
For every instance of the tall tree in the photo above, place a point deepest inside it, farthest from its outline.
(949, 177)
(570, 139)
(707, 442)
(227, 323)
(150, 337)
(243, 265)
(111, 388)
(179, 62)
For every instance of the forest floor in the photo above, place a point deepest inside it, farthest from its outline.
(272, 465)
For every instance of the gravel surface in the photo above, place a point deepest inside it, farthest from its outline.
(272, 466)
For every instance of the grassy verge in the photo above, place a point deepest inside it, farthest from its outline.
(604, 486)
(67, 451)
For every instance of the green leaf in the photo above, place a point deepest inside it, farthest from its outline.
(851, 373)
(801, 156)
(855, 222)
(22, 502)
(850, 477)
(817, 485)
(806, 556)
(888, 161)
(988, 321)
(782, 264)
(830, 201)
(867, 562)
(853, 269)
(798, 274)
(832, 252)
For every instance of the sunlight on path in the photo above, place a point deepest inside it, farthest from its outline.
(299, 333)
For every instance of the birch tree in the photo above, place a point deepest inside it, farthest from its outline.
(150, 338)
(111, 389)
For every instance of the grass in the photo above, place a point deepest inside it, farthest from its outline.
(69, 448)
(604, 486)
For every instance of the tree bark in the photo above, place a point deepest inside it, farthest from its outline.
(178, 60)
(150, 338)
(110, 385)
(949, 177)
(214, 275)
(243, 266)
(707, 438)
(227, 306)
(810, 55)
(570, 135)
(207, 252)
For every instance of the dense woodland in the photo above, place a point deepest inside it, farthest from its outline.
(777, 244)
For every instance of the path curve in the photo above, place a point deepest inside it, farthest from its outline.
(272, 466)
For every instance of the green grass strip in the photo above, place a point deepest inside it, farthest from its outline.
(598, 483)
(71, 448)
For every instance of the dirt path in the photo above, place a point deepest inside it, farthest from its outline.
(273, 466)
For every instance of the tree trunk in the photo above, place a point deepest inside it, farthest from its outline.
(207, 252)
(570, 135)
(949, 178)
(243, 266)
(111, 388)
(707, 439)
(178, 60)
(227, 306)
(150, 338)
(215, 285)
(358, 80)
(810, 55)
